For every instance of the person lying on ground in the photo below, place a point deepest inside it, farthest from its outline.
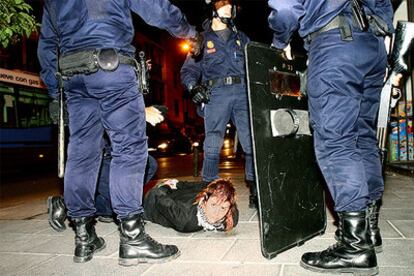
(184, 206)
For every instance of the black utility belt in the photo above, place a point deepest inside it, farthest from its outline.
(376, 25)
(339, 22)
(225, 81)
(90, 61)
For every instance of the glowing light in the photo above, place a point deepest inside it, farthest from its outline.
(226, 143)
(196, 144)
(41, 156)
(163, 146)
(185, 47)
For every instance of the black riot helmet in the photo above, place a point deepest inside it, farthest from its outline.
(217, 4)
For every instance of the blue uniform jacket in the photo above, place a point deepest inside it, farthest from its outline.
(219, 59)
(309, 16)
(96, 24)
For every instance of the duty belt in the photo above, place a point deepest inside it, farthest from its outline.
(90, 61)
(225, 81)
(339, 22)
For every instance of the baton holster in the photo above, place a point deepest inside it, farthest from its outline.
(90, 61)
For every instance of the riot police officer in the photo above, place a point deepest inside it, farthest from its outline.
(92, 41)
(347, 61)
(217, 81)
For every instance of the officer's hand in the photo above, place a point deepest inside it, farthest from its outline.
(396, 80)
(288, 52)
(200, 94)
(162, 108)
(196, 44)
(153, 115)
(149, 64)
(54, 111)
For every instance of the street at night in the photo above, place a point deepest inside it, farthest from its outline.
(29, 246)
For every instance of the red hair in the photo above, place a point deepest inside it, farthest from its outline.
(220, 3)
(224, 190)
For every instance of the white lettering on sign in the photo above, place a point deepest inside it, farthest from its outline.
(21, 78)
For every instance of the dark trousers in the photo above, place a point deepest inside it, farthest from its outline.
(103, 199)
(344, 84)
(110, 102)
(227, 102)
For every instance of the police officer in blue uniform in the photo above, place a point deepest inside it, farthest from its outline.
(91, 39)
(347, 61)
(217, 81)
(104, 211)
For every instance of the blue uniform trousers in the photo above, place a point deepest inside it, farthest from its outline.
(111, 102)
(103, 199)
(227, 102)
(344, 85)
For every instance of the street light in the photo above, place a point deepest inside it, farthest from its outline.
(185, 47)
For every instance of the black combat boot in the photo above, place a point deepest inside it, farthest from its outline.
(86, 241)
(56, 211)
(253, 201)
(351, 254)
(374, 235)
(136, 246)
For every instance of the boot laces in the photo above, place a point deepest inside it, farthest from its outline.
(333, 247)
(149, 239)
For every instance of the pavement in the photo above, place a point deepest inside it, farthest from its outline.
(28, 246)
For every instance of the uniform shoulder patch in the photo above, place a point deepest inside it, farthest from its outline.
(210, 44)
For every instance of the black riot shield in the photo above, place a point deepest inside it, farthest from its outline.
(291, 197)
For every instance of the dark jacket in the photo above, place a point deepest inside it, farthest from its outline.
(175, 208)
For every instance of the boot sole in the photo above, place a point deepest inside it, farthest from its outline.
(88, 258)
(355, 271)
(136, 261)
(55, 227)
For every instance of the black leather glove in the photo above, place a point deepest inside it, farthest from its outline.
(196, 44)
(200, 94)
(54, 112)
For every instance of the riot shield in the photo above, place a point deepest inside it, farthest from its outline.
(290, 192)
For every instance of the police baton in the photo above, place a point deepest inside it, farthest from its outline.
(61, 131)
